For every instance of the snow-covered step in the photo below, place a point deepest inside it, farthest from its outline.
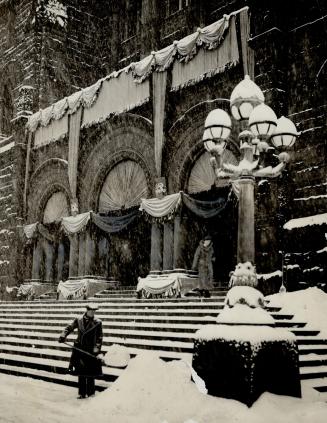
(64, 379)
(58, 325)
(56, 365)
(132, 340)
(122, 333)
(315, 349)
(127, 318)
(313, 359)
(310, 372)
(46, 344)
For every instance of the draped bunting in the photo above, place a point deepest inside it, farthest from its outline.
(247, 52)
(73, 148)
(204, 209)
(32, 230)
(117, 94)
(207, 62)
(113, 224)
(185, 49)
(216, 46)
(75, 224)
(72, 289)
(159, 97)
(170, 286)
(155, 207)
(52, 132)
(160, 207)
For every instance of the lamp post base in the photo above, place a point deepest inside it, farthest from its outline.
(242, 369)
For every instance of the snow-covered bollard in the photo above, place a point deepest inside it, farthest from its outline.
(244, 355)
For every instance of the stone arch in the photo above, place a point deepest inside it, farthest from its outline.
(49, 178)
(124, 137)
(184, 144)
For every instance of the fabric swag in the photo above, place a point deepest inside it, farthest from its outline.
(156, 207)
(112, 224)
(205, 209)
(75, 224)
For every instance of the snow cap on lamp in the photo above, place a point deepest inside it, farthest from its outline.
(245, 96)
(263, 120)
(285, 133)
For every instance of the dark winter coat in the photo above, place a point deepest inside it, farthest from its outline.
(202, 262)
(89, 339)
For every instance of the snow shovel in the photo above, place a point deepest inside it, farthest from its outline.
(108, 362)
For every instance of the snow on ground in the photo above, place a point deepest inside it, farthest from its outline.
(308, 305)
(148, 391)
(152, 391)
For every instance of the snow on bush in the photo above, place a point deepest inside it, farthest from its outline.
(243, 333)
(244, 295)
(243, 314)
(308, 305)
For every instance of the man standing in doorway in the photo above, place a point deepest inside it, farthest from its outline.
(87, 347)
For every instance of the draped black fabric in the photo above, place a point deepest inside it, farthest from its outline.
(205, 209)
(112, 224)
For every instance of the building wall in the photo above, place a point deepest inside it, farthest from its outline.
(58, 53)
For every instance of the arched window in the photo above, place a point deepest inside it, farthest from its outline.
(202, 176)
(56, 208)
(124, 187)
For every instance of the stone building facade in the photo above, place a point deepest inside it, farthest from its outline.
(51, 49)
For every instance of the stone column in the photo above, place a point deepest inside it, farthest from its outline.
(89, 253)
(49, 260)
(60, 260)
(168, 246)
(245, 241)
(156, 247)
(81, 253)
(37, 259)
(73, 255)
(177, 243)
(103, 247)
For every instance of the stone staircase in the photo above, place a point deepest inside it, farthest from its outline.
(29, 333)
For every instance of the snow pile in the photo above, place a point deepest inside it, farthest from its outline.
(308, 305)
(117, 356)
(148, 391)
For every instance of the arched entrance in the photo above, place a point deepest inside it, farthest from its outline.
(124, 255)
(50, 261)
(202, 185)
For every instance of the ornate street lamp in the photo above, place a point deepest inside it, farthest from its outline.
(262, 129)
(244, 336)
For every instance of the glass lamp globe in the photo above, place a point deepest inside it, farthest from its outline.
(217, 128)
(263, 120)
(285, 133)
(245, 96)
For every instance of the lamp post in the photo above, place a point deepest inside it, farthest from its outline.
(261, 131)
(230, 356)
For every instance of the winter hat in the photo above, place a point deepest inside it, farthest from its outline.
(92, 306)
